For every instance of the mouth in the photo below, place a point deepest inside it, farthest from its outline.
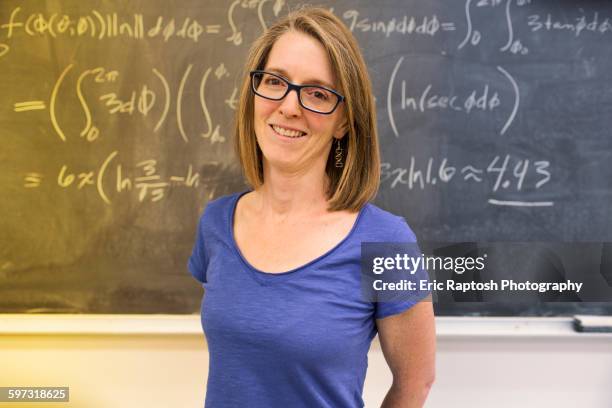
(287, 133)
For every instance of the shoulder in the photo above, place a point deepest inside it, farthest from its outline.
(221, 203)
(380, 225)
(218, 211)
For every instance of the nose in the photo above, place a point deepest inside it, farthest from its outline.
(290, 104)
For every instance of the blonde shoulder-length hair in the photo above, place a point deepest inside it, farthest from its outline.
(353, 185)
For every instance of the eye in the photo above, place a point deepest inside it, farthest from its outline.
(273, 81)
(318, 94)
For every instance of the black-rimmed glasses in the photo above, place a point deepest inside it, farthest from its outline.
(314, 98)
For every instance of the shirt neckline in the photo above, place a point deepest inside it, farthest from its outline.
(272, 277)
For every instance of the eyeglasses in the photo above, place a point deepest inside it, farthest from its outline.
(314, 98)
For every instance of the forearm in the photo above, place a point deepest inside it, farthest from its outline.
(409, 396)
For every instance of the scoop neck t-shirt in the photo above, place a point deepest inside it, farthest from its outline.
(292, 339)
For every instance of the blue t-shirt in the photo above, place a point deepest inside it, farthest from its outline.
(293, 339)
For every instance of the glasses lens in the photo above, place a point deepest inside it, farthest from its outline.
(274, 87)
(269, 86)
(318, 99)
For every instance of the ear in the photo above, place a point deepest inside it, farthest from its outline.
(342, 129)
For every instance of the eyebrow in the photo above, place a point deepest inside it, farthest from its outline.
(307, 82)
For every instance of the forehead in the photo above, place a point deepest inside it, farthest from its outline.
(301, 58)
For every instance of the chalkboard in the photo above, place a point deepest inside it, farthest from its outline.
(493, 115)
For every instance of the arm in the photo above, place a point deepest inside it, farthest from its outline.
(408, 342)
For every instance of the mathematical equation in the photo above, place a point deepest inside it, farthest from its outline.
(504, 173)
(471, 36)
(501, 173)
(136, 26)
(144, 98)
(402, 99)
(100, 25)
(482, 100)
(490, 94)
(141, 100)
(149, 184)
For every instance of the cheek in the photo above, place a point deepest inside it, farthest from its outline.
(262, 111)
(321, 125)
(263, 108)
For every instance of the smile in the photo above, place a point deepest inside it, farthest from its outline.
(287, 132)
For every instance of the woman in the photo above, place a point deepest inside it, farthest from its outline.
(283, 314)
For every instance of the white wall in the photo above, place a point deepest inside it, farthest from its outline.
(510, 370)
(161, 361)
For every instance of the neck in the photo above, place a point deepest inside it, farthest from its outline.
(286, 194)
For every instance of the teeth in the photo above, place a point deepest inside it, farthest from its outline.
(287, 132)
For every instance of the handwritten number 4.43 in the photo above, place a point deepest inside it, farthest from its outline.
(519, 172)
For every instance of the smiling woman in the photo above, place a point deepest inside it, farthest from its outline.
(283, 311)
(279, 121)
(335, 63)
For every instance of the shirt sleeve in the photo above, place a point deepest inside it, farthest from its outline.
(198, 262)
(404, 301)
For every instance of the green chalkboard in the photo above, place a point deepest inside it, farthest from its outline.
(116, 118)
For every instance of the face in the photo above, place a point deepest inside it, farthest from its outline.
(302, 60)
